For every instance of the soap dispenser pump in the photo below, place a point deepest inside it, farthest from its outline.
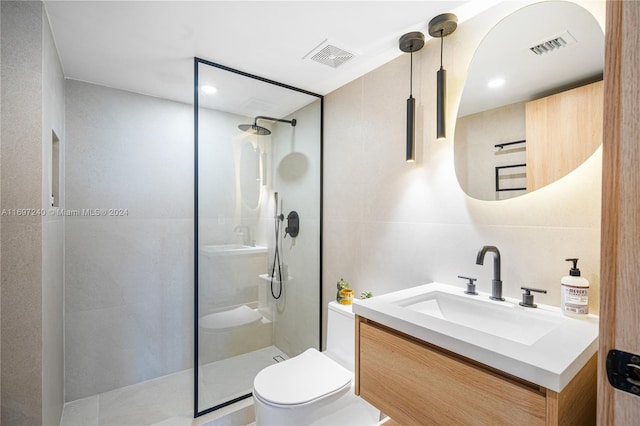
(574, 291)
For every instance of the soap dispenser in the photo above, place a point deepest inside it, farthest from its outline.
(575, 292)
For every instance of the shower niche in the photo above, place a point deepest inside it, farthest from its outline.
(257, 148)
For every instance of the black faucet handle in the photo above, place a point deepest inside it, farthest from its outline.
(471, 285)
(528, 290)
(527, 297)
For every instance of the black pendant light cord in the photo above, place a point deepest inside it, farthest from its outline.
(411, 76)
(441, 46)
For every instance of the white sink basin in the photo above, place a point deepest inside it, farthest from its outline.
(540, 345)
(508, 321)
(230, 249)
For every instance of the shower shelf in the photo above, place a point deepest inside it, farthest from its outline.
(267, 277)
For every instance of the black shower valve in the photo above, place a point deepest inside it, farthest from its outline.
(293, 224)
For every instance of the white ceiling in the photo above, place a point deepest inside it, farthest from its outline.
(148, 46)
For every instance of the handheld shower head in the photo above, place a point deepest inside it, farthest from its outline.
(254, 129)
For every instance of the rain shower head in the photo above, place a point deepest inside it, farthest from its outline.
(254, 129)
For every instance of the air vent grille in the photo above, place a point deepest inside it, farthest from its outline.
(548, 46)
(553, 44)
(332, 56)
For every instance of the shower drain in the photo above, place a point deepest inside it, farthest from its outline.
(278, 358)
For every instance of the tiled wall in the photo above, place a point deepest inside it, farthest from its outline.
(53, 120)
(296, 177)
(390, 225)
(129, 279)
(21, 236)
(32, 270)
(129, 276)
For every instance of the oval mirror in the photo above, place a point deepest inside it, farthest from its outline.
(250, 175)
(531, 109)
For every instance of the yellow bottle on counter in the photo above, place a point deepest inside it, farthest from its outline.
(346, 296)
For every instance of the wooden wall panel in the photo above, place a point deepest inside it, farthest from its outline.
(620, 268)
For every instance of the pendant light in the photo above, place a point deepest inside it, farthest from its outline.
(441, 26)
(411, 42)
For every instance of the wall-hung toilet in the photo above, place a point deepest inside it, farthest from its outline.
(315, 388)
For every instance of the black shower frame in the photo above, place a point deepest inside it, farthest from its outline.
(196, 62)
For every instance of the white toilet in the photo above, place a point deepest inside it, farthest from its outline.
(315, 388)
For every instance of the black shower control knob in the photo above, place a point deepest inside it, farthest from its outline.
(293, 224)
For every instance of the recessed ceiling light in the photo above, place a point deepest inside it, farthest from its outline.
(496, 82)
(210, 90)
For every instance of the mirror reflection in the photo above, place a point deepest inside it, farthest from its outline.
(531, 109)
(250, 175)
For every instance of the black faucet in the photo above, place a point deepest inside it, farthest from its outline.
(496, 284)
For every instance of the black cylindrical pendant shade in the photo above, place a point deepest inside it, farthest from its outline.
(441, 104)
(411, 128)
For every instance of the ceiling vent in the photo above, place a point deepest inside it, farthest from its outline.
(553, 44)
(327, 53)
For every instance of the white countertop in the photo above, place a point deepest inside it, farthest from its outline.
(551, 360)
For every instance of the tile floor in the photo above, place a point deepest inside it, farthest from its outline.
(233, 377)
(168, 400)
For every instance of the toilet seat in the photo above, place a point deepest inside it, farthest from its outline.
(301, 380)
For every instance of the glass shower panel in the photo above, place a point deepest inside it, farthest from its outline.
(258, 190)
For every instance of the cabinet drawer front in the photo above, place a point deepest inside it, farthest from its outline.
(415, 384)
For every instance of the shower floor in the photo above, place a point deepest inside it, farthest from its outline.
(168, 400)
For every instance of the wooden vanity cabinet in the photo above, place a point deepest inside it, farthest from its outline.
(563, 130)
(416, 383)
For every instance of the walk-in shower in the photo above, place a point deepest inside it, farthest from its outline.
(257, 292)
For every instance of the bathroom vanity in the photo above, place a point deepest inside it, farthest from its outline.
(433, 355)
